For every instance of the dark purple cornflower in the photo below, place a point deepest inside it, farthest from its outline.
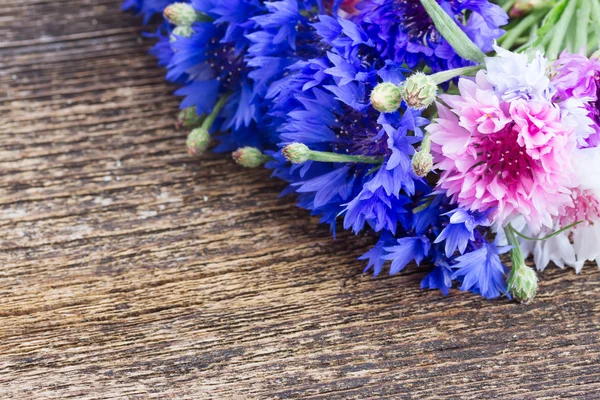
(404, 32)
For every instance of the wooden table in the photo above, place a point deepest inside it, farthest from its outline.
(130, 270)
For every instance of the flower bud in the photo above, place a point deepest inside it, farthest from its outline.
(185, 31)
(419, 91)
(249, 157)
(422, 163)
(296, 153)
(180, 14)
(386, 97)
(523, 283)
(188, 118)
(198, 141)
(523, 7)
(349, 6)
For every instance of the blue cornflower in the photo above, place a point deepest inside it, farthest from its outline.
(379, 203)
(482, 271)
(376, 253)
(146, 8)
(404, 32)
(408, 249)
(440, 277)
(431, 217)
(461, 229)
(325, 105)
(162, 49)
(283, 36)
(211, 62)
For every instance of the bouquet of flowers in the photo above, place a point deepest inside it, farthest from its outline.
(451, 131)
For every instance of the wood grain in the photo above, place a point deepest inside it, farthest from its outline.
(131, 271)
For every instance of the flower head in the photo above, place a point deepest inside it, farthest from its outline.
(282, 37)
(581, 242)
(576, 76)
(511, 157)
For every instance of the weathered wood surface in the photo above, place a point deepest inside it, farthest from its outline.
(131, 271)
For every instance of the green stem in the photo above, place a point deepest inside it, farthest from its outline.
(445, 76)
(533, 35)
(449, 29)
(210, 119)
(566, 228)
(324, 156)
(426, 143)
(516, 254)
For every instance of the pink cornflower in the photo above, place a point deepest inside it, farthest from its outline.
(513, 157)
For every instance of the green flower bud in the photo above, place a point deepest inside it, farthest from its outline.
(386, 97)
(188, 118)
(523, 283)
(419, 91)
(198, 141)
(523, 7)
(180, 14)
(296, 153)
(422, 163)
(185, 31)
(249, 157)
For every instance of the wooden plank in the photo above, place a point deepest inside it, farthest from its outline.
(130, 270)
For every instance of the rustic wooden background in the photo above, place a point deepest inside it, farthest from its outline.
(129, 270)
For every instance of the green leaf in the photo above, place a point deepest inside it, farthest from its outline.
(550, 21)
(596, 18)
(514, 33)
(424, 204)
(552, 17)
(581, 28)
(560, 31)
